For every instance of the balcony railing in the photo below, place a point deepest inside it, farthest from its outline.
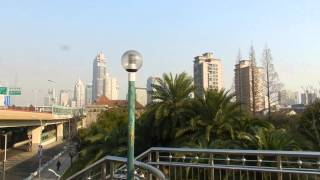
(188, 163)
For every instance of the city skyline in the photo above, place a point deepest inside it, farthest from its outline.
(32, 53)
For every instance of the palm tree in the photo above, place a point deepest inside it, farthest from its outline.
(169, 109)
(214, 116)
(267, 137)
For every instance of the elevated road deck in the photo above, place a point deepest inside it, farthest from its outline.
(13, 118)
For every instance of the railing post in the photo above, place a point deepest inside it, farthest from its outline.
(212, 166)
(103, 171)
(149, 175)
(112, 170)
(157, 158)
(228, 163)
(279, 166)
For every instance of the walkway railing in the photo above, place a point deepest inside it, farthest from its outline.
(187, 163)
(109, 167)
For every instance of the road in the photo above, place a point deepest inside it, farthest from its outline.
(20, 164)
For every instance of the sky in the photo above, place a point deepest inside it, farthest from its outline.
(58, 40)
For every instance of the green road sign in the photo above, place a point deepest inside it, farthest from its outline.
(3, 90)
(14, 91)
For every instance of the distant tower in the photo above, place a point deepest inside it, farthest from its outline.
(79, 93)
(142, 96)
(111, 87)
(51, 98)
(64, 98)
(88, 94)
(207, 72)
(243, 86)
(98, 78)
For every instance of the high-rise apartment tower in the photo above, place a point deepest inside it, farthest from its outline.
(79, 94)
(249, 92)
(207, 73)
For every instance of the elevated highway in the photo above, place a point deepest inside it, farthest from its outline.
(42, 125)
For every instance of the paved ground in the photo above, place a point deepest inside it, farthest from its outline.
(51, 171)
(20, 164)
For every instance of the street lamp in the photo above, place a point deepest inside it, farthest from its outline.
(5, 153)
(131, 62)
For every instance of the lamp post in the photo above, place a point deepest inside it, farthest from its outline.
(5, 154)
(131, 62)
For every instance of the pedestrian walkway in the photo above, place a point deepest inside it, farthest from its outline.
(51, 171)
(20, 164)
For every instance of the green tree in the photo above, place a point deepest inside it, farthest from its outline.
(264, 136)
(309, 124)
(108, 135)
(214, 114)
(169, 110)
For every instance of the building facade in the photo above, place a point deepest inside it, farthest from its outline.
(111, 87)
(207, 72)
(51, 98)
(288, 98)
(79, 93)
(142, 96)
(88, 94)
(308, 97)
(64, 98)
(98, 77)
(246, 88)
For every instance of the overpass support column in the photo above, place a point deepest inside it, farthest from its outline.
(36, 136)
(59, 132)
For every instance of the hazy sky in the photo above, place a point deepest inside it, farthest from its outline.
(58, 40)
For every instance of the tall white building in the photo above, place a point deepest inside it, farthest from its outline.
(288, 98)
(88, 94)
(98, 78)
(64, 98)
(207, 72)
(308, 97)
(111, 87)
(51, 98)
(244, 86)
(142, 96)
(79, 93)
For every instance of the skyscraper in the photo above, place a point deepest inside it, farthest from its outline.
(308, 97)
(244, 86)
(111, 87)
(207, 72)
(51, 98)
(64, 98)
(79, 93)
(88, 94)
(98, 78)
(288, 98)
(141, 96)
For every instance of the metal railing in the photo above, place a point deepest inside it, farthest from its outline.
(68, 112)
(112, 167)
(212, 164)
(188, 163)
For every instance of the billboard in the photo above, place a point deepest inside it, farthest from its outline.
(3, 90)
(14, 91)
